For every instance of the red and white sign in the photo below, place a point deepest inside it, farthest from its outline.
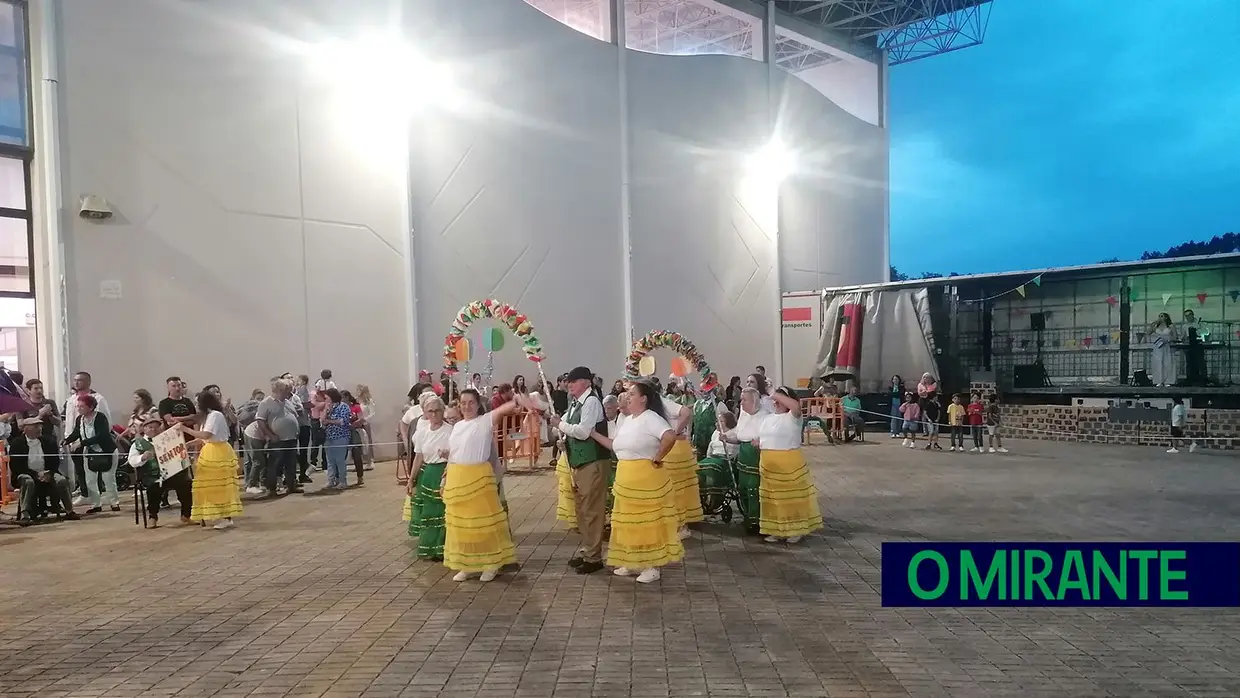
(801, 320)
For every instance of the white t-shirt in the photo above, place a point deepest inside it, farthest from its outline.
(720, 448)
(672, 409)
(471, 441)
(747, 424)
(1179, 416)
(638, 437)
(766, 403)
(429, 442)
(217, 426)
(780, 432)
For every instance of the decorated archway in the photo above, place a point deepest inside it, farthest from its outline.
(457, 348)
(640, 364)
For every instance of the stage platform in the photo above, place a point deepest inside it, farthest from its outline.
(1223, 397)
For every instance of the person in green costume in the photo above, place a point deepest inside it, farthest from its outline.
(430, 457)
(146, 465)
(590, 464)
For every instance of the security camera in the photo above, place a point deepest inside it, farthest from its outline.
(94, 207)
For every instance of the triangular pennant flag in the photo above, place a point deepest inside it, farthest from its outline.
(1166, 297)
(1087, 341)
(1071, 342)
(1201, 298)
(1111, 301)
(1114, 336)
(1103, 339)
(1037, 280)
(1021, 291)
(1234, 295)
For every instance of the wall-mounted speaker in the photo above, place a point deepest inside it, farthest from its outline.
(1037, 321)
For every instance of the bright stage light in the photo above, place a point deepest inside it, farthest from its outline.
(772, 163)
(383, 71)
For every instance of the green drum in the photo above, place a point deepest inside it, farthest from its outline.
(748, 477)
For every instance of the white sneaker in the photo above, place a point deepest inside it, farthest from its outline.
(223, 524)
(772, 539)
(369, 466)
(912, 444)
(622, 572)
(906, 442)
(1172, 450)
(80, 501)
(895, 436)
(992, 449)
(648, 576)
(975, 449)
(1192, 448)
(460, 576)
(795, 539)
(254, 490)
(684, 532)
(1002, 450)
(487, 576)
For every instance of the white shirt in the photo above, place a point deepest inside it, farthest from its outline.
(591, 414)
(747, 425)
(320, 385)
(1178, 416)
(673, 408)
(101, 405)
(638, 437)
(368, 410)
(720, 448)
(429, 442)
(471, 441)
(613, 427)
(217, 426)
(780, 432)
(766, 403)
(34, 459)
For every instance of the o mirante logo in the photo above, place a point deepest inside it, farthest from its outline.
(1061, 574)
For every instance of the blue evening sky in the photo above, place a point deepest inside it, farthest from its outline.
(1080, 130)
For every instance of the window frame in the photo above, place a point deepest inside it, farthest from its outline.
(22, 151)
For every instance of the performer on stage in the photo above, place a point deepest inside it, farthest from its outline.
(682, 466)
(645, 519)
(788, 498)
(430, 455)
(477, 539)
(748, 473)
(588, 463)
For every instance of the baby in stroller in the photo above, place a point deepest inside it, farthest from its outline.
(715, 481)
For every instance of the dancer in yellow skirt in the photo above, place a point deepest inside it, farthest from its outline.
(215, 493)
(788, 499)
(565, 506)
(644, 517)
(681, 466)
(477, 539)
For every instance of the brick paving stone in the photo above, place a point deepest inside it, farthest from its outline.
(314, 597)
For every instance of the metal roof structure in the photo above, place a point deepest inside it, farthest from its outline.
(809, 33)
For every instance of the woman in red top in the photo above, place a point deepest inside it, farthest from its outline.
(976, 409)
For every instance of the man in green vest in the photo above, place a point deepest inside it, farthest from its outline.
(590, 463)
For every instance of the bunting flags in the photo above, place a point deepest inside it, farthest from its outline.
(1234, 295)
(1037, 280)
(1021, 290)
(1201, 298)
(1166, 297)
(1112, 301)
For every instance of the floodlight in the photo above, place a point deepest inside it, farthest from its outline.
(384, 68)
(772, 163)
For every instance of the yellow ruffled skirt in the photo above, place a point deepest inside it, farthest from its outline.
(477, 537)
(215, 492)
(644, 518)
(681, 466)
(788, 500)
(565, 504)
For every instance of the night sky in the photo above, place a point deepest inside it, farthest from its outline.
(1080, 130)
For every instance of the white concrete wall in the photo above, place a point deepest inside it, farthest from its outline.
(258, 231)
(852, 85)
(251, 236)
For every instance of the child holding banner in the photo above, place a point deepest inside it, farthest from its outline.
(161, 463)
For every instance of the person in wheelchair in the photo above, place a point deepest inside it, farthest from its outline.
(34, 461)
(853, 417)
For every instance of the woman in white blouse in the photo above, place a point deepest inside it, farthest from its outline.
(788, 498)
(644, 518)
(682, 467)
(215, 494)
(748, 472)
(477, 538)
(430, 457)
(757, 381)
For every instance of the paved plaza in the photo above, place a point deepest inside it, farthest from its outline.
(320, 596)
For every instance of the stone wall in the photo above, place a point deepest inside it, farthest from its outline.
(1215, 429)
